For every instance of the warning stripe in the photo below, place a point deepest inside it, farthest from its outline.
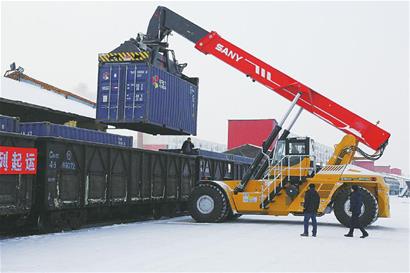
(123, 56)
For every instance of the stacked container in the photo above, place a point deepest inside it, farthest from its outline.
(223, 156)
(57, 130)
(9, 124)
(215, 155)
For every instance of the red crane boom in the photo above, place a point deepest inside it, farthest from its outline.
(310, 100)
(164, 21)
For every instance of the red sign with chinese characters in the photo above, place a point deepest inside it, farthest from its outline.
(15, 160)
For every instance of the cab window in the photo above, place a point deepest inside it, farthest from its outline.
(279, 150)
(297, 146)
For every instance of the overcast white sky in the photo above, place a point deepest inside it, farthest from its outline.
(356, 53)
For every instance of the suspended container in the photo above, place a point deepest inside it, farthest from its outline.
(141, 97)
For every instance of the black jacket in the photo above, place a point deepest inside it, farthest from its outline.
(312, 201)
(356, 202)
(187, 147)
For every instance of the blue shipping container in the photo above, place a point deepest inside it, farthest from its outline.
(216, 155)
(141, 97)
(9, 124)
(223, 156)
(57, 130)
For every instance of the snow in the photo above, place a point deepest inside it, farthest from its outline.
(250, 244)
(25, 92)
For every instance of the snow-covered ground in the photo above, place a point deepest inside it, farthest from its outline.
(252, 243)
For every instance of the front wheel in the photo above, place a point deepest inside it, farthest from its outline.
(208, 204)
(232, 216)
(369, 211)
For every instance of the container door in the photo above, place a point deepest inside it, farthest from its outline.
(104, 89)
(193, 90)
(121, 92)
(141, 89)
(130, 82)
(188, 96)
(114, 92)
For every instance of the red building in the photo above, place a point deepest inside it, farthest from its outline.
(369, 165)
(250, 131)
(382, 169)
(395, 171)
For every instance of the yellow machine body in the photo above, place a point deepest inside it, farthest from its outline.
(336, 175)
(250, 200)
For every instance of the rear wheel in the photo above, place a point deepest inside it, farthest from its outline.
(208, 204)
(369, 211)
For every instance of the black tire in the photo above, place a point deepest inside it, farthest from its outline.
(217, 212)
(232, 216)
(368, 216)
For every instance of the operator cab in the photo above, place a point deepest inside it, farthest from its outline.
(292, 150)
(294, 156)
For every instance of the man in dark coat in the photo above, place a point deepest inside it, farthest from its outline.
(356, 203)
(187, 147)
(310, 207)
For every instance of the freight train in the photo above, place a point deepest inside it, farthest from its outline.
(79, 182)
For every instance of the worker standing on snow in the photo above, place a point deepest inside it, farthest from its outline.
(310, 207)
(356, 203)
(187, 147)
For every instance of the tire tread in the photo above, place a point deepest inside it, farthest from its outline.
(367, 197)
(221, 215)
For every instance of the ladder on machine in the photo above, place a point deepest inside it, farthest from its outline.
(277, 176)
